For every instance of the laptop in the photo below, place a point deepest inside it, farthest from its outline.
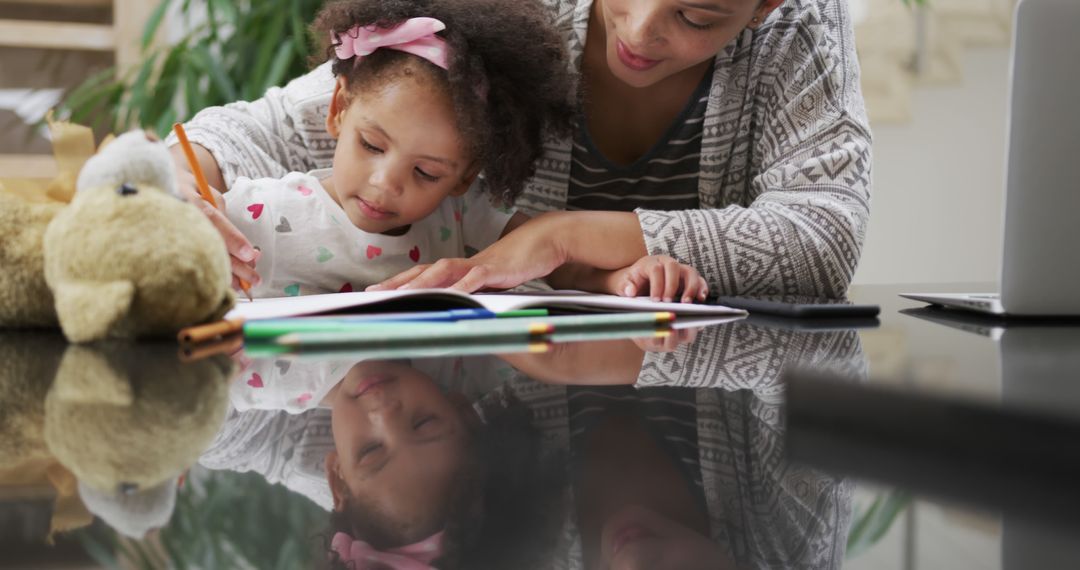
(1040, 268)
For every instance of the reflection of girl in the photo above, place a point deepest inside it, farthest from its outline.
(402, 462)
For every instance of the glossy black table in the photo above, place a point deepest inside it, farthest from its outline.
(921, 440)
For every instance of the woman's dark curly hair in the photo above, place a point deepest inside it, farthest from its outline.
(506, 48)
(508, 505)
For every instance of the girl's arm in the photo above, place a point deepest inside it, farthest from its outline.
(268, 137)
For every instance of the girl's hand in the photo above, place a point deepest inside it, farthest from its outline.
(525, 253)
(661, 277)
(242, 256)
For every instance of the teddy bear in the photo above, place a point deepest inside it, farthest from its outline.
(128, 257)
(127, 418)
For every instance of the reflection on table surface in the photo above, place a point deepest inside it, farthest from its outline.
(620, 453)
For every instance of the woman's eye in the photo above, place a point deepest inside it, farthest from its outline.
(426, 176)
(370, 147)
(696, 25)
(426, 420)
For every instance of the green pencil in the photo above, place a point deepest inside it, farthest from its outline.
(608, 321)
(266, 329)
(383, 334)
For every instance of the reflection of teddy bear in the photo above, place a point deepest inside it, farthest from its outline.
(28, 363)
(126, 258)
(127, 417)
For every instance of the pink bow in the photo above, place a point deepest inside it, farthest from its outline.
(417, 556)
(415, 36)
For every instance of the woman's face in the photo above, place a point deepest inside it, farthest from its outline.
(399, 444)
(637, 537)
(647, 41)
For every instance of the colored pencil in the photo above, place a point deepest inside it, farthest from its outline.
(271, 328)
(389, 334)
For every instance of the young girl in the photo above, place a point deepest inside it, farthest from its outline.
(439, 110)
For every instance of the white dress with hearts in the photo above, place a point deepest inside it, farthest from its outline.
(310, 246)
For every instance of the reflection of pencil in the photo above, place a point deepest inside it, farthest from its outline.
(227, 345)
(200, 181)
(203, 333)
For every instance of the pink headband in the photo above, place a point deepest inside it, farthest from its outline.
(415, 36)
(417, 556)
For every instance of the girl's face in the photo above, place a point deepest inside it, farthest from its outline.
(399, 153)
(399, 444)
(647, 41)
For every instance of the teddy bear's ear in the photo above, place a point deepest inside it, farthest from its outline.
(88, 310)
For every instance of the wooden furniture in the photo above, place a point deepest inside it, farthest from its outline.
(122, 37)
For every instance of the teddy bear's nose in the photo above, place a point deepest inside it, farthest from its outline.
(126, 189)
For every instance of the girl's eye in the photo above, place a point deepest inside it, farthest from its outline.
(368, 450)
(426, 176)
(370, 147)
(697, 26)
(426, 420)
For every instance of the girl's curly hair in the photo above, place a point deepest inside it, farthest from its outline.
(507, 49)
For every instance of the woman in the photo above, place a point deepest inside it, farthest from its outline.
(728, 134)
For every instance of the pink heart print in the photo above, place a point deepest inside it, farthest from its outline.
(256, 210)
(303, 398)
(304, 190)
(346, 288)
(414, 254)
(255, 381)
(373, 252)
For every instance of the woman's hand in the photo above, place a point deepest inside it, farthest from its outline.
(526, 253)
(659, 276)
(242, 255)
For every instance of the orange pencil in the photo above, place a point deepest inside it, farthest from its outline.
(200, 180)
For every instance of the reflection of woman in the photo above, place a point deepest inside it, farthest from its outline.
(730, 136)
(658, 469)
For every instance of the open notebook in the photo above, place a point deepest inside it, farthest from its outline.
(439, 299)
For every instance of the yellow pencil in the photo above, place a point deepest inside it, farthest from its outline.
(200, 180)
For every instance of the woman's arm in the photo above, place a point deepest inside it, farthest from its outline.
(802, 182)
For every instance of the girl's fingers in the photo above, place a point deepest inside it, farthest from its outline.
(635, 281)
(399, 279)
(235, 242)
(672, 279)
(656, 281)
(244, 271)
(695, 286)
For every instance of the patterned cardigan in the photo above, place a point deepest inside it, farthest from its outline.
(784, 182)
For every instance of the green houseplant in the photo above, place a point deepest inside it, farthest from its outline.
(240, 49)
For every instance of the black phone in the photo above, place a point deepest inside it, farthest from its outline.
(800, 307)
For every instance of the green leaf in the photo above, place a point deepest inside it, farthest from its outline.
(869, 527)
(280, 65)
(154, 22)
(139, 89)
(218, 77)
